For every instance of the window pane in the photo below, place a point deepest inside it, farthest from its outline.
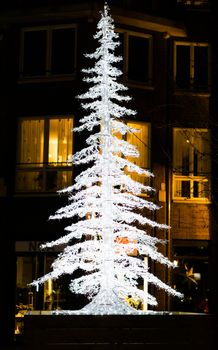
(63, 49)
(34, 61)
(181, 152)
(138, 59)
(25, 272)
(199, 142)
(29, 181)
(191, 277)
(31, 142)
(60, 141)
(58, 179)
(183, 66)
(186, 193)
(141, 141)
(25, 295)
(191, 152)
(203, 188)
(177, 188)
(201, 66)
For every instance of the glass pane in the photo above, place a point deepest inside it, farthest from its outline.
(141, 141)
(191, 277)
(182, 189)
(56, 180)
(51, 298)
(34, 60)
(186, 191)
(138, 59)
(186, 160)
(63, 50)
(182, 147)
(201, 66)
(178, 188)
(60, 141)
(31, 142)
(29, 181)
(191, 152)
(25, 295)
(183, 66)
(195, 189)
(203, 189)
(195, 161)
(201, 144)
(177, 146)
(57, 294)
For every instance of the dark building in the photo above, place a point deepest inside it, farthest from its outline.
(169, 64)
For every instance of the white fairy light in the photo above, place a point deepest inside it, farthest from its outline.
(110, 195)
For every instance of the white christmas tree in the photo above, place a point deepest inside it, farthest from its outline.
(105, 203)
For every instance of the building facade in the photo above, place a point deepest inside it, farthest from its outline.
(168, 65)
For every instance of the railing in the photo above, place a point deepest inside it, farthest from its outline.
(43, 178)
(191, 188)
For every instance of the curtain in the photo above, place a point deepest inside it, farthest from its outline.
(32, 142)
(60, 141)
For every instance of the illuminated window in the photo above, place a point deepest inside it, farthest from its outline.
(45, 148)
(47, 51)
(191, 164)
(136, 50)
(141, 140)
(191, 65)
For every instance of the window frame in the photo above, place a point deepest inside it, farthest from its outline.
(191, 177)
(192, 46)
(149, 37)
(48, 73)
(45, 167)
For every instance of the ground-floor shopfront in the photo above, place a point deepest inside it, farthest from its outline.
(191, 277)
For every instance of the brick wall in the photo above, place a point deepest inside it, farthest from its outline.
(190, 221)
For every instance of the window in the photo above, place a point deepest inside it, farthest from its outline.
(191, 277)
(52, 295)
(191, 163)
(47, 51)
(45, 147)
(141, 140)
(136, 50)
(191, 65)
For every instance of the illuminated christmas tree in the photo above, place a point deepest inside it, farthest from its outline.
(105, 200)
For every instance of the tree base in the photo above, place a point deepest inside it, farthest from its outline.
(108, 303)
